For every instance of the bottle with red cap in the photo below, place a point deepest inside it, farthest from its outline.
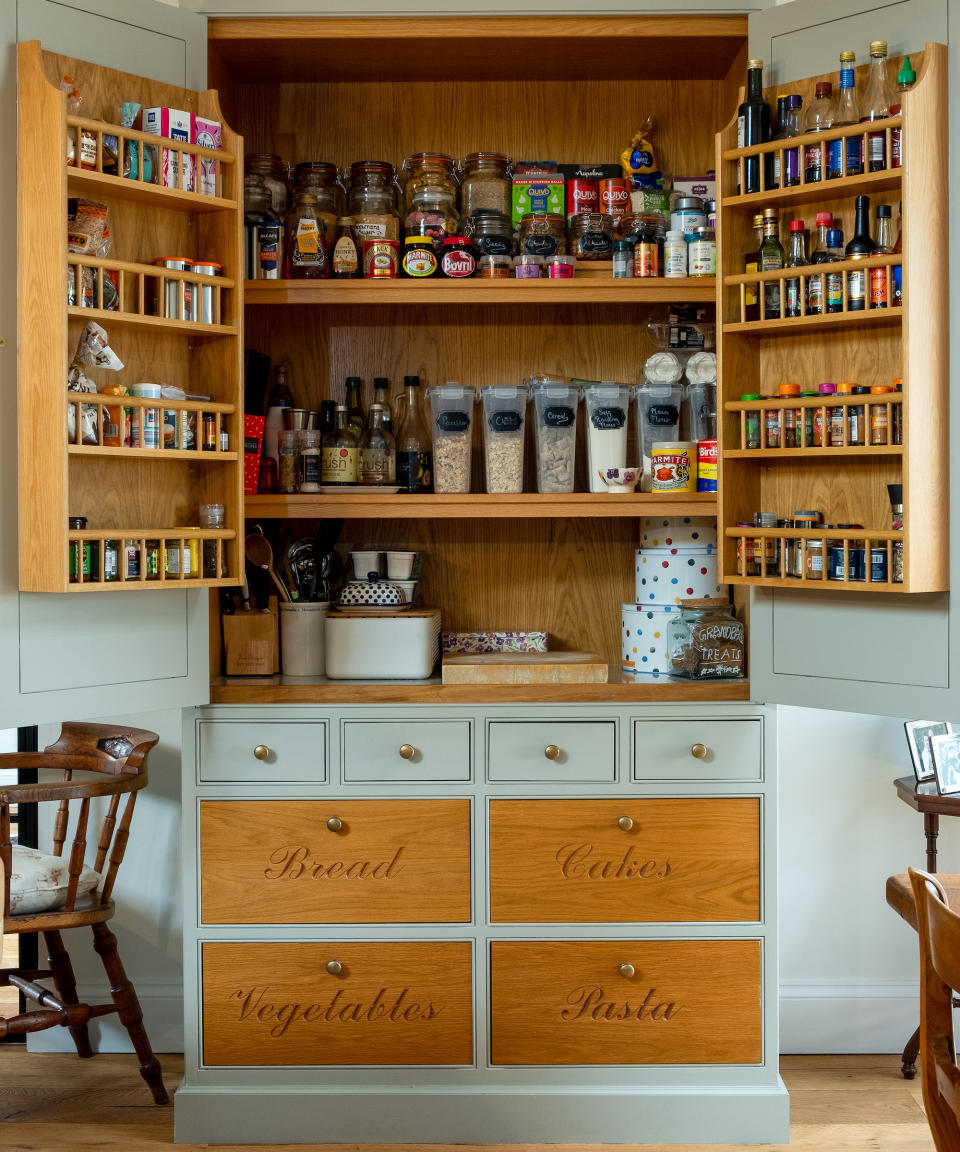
(815, 284)
(793, 287)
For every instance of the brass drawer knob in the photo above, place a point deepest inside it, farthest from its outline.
(407, 751)
(261, 752)
(335, 824)
(552, 752)
(334, 967)
(698, 751)
(627, 971)
(625, 823)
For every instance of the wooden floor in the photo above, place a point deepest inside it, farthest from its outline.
(62, 1104)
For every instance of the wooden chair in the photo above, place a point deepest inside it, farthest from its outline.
(94, 761)
(938, 927)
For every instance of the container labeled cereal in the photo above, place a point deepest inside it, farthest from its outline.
(555, 404)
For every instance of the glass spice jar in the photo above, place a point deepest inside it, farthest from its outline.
(371, 201)
(485, 184)
(706, 641)
(490, 231)
(592, 235)
(542, 234)
(320, 178)
(275, 173)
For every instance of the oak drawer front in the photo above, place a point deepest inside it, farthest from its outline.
(626, 1002)
(377, 1003)
(698, 750)
(334, 861)
(251, 750)
(405, 751)
(662, 860)
(567, 751)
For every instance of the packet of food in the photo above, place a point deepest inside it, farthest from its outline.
(126, 116)
(88, 142)
(93, 351)
(116, 419)
(638, 161)
(88, 234)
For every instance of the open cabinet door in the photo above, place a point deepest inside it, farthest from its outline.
(859, 652)
(106, 652)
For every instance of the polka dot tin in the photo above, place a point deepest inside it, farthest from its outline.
(678, 532)
(669, 575)
(644, 635)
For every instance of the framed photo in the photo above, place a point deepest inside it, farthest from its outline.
(918, 732)
(946, 762)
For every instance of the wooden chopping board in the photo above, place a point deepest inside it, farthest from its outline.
(525, 668)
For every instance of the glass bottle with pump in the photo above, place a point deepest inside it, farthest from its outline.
(848, 113)
(879, 290)
(338, 458)
(816, 288)
(751, 263)
(906, 78)
(876, 106)
(793, 290)
(355, 416)
(819, 117)
(859, 248)
(376, 455)
(381, 396)
(414, 454)
(771, 259)
(753, 125)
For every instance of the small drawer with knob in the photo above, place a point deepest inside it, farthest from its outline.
(334, 861)
(568, 751)
(340, 1002)
(626, 1002)
(698, 750)
(247, 751)
(674, 859)
(406, 751)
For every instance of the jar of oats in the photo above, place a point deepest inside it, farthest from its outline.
(555, 403)
(451, 413)
(504, 409)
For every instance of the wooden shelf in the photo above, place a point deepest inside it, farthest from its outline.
(96, 184)
(155, 324)
(826, 323)
(528, 505)
(766, 456)
(578, 290)
(620, 689)
(195, 456)
(869, 184)
(795, 584)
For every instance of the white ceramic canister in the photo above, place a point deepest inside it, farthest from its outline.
(301, 637)
(645, 639)
(669, 575)
(678, 532)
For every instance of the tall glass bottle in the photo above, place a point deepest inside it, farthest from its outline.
(876, 105)
(376, 455)
(328, 419)
(792, 155)
(880, 286)
(782, 132)
(381, 396)
(819, 117)
(355, 416)
(834, 279)
(751, 263)
(906, 78)
(859, 248)
(848, 112)
(338, 454)
(793, 290)
(414, 455)
(771, 259)
(816, 288)
(279, 398)
(306, 253)
(753, 125)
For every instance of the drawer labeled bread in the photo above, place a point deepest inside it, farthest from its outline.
(555, 751)
(406, 751)
(335, 862)
(337, 1003)
(698, 750)
(654, 860)
(626, 1002)
(252, 750)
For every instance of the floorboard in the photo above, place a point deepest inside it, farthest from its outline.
(58, 1103)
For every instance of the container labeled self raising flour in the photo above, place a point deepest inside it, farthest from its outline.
(673, 466)
(607, 406)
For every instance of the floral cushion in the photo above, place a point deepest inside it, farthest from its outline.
(39, 881)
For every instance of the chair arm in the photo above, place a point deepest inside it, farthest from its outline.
(45, 790)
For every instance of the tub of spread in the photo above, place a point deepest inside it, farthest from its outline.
(673, 466)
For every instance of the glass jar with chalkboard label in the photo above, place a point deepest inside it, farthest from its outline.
(555, 402)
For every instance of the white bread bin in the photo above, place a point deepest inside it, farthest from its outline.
(401, 646)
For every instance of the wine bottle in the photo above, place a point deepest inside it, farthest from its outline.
(753, 125)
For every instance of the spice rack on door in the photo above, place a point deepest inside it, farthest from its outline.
(143, 499)
(846, 482)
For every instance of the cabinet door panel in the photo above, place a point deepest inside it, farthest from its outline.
(406, 751)
(552, 751)
(624, 860)
(698, 750)
(295, 751)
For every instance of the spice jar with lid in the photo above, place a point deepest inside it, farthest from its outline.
(591, 235)
(496, 267)
(792, 418)
(371, 201)
(542, 234)
(526, 267)
(490, 232)
(320, 178)
(880, 416)
(706, 641)
(485, 183)
(306, 250)
(275, 174)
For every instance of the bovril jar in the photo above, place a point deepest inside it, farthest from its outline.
(591, 235)
(542, 234)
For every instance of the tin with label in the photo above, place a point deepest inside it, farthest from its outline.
(674, 466)
(381, 259)
(615, 196)
(706, 465)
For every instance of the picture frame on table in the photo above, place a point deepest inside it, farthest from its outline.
(918, 735)
(945, 750)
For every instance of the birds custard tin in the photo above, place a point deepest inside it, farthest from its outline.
(674, 466)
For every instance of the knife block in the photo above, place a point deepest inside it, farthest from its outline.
(250, 644)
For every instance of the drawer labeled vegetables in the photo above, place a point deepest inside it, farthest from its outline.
(663, 860)
(335, 862)
(337, 1003)
(626, 1002)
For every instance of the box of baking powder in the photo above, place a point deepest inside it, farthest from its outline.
(208, 134)
(177, 169)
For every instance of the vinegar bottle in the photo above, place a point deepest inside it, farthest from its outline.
(876, 106)
(753, 125)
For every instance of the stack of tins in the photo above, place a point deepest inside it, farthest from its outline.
(676, 560)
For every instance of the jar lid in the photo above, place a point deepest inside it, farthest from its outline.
(688, 202)
(788, 390)
(876, 389)
(487, 158)
(78, 523)
(147, 391)
(845, 387)
(706, 602)
(424, 159)
(420, 241)
(827, 389)
(528, 259)
(704, 234)
(169, 261)
(315, 166)
(380, 166)
(585, 219)
(898, 383)
(747, 397)
(496, 260)
(550, 217)
(461, 241)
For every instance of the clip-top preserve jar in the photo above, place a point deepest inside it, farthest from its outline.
(706, 641)
(275, 174)
(320, 179)
(490, 232)
(371, 201)
(485, 184)
(542, 234)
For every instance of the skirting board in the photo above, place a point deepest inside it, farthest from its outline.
(162, 1006)
(820, 1017)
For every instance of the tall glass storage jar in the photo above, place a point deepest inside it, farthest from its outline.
(485, 184)
(320, 179)
(555, 404)
(371, 201)
(275, 173)
(429, 205)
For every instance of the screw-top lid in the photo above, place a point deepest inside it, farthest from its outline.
(883, 211)
(824, 88)
(847, 57)
(381, 382)
(845, 387)
(827, 389)
(794, 101)
(898, 384)
(876, 389)
(625, 245)
(788, 390)
(749, 397)
(797, 226)
(411, 381)
(835, 238)
(758, 220)
(353, 381)
(861, 390)
(771, 213)
(751, 64)
(341, 408)
(878, 47)
(895, 492)
(824, 219)
(906, 75)
(420, 241)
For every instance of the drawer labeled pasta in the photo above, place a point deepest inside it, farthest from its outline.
(406, 751)
(233, 751)
(560, 751)
(626, 1002)
(346, 1002)
(334, 862)
(653, 860)
(698, 750)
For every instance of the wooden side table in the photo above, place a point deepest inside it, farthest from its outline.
(925, 799)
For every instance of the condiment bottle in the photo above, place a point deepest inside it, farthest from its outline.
(753, 126)
(819, 117)
(381, 396)
(356, 420)
(414, 455)
(906, 78)
(306, 252)
(751, 263)
(346, 259)
(877, 99)
(859, 248)
(279, 400)
(792, 418)
(855, 417)
(879, 416)
(816, 287)
(834, 279)
(879, 284)
(376, 454)
(848, 112)
(771, 260)
(338, 462)
(793, 288)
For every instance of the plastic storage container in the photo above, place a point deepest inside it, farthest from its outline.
(451, 407)
(555, 404)
(401, 647)
(608, 405)
(504, 409)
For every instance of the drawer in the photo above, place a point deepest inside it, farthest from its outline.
(334, 861)
(662, 860)
(404, 751)
(337, 1003)
(698, 750)
(561, 751)
(238, 751)
(626, 1002)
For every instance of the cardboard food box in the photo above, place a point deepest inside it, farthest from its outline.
(252, 446)
(208, 134)
(177, 169)
(703, 186)
(537, 194)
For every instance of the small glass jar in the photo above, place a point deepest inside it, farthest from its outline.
(371, 201)
(542, 234)
(791, 418)
(485, 184)
(275, 174)
(751, 424)
(490, 232)
(320, 178)
(879, 416)
(495, 267)
(560, 267)
(706, 641)
(527, 267)
(592, 235)
(288, 467)
(212, 516)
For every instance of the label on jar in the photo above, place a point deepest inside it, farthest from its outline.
(414, 471)
(558, 416)
(594, 244)
(266, 241)
(675, 259)
(646, 258)
(453, 421)
(309, 471)
(507, 421)
(857, 288)
(369, 230)
(419, 262)
(380, 258)
(608, 419)
(345, 261)
(494, 245)
(702, 257)
(615, 196)
(458, 263)
(338, 466)
(375, 466)
(540, 244)
(663, 415)
(674, 468)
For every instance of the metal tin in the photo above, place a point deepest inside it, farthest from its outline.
(204, 293)
(176, 299)
(381, 259)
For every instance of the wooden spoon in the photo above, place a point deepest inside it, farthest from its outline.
(260, 554)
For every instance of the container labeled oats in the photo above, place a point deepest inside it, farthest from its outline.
(504, 408)
(555, 403)
(451, 408)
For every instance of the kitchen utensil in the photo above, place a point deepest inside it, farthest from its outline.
(258, 551)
